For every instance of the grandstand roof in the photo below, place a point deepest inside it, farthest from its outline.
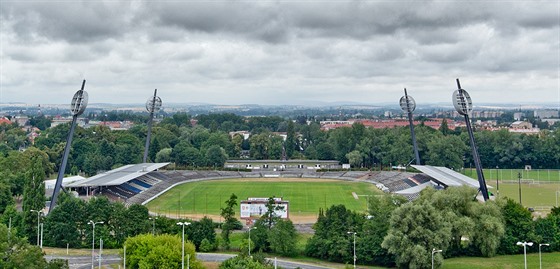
(447, 177)
(118, 176)
(49, 184)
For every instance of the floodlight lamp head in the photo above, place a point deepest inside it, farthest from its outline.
(530, 244)
(462, 102)
(153, 104)
(79, 103)
(407, 104)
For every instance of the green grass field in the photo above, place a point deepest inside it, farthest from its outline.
(512, 174)
(532, 195)
(549, 261)
(306, 196)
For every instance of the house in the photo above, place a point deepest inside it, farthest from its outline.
(521, 125)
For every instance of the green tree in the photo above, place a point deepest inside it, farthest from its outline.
(228, 213)
(416, 229)
(6, 198)
(354, 158)
(375, 228)
(161, 251)
(290, 142)
(185, 154)
(283, 238)
(33, 198)
(331, 240)
(63, 224)
(260, 146)
(202, 230)
(16, 253)
(446, 151)
(164, 155)
(519, 226)
(216, 156)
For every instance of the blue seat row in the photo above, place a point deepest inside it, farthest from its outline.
(130, 188)
(141, 183)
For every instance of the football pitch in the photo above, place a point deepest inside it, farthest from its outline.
(535, 175)
(306, 196)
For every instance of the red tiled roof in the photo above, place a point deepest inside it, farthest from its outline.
(5, 121)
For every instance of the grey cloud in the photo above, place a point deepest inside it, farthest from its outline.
(70, 21)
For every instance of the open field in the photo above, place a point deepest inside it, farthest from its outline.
(532, 195)
(306, 196)
(546, 175)
(549, 261)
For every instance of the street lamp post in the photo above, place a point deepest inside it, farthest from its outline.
(540, 259)
(250, 239)
(434, 251)
(497, 180)
(41, 244)
(519, 183)
(153, 225)
(354, 235)
(525, 244)
(183, 243)
(93, 239)
(38, 221)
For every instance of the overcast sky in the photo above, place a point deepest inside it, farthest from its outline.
(279, 52)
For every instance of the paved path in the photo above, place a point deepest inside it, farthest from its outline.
(84, 262)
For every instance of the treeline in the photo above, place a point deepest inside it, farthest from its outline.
(209, 144)
(69, 224)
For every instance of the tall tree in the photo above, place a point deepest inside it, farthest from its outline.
(33, 198)
(228, 213)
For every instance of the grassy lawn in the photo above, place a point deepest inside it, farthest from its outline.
(306, 196)
(549, 261)
(532, 195)
(512, 174)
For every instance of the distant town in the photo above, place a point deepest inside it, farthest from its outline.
(530, 119)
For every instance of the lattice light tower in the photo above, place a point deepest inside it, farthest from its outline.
(153, 105)
(408, 105)
(77, 107)
(463, 104)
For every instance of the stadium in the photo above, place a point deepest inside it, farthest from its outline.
(150, 184)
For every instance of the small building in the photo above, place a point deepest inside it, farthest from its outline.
(521, 125)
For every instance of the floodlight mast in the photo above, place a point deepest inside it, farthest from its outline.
(408, 105)
(77, 107)
(463, 104)
(152, 105)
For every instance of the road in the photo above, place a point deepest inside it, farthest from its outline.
(84, 262)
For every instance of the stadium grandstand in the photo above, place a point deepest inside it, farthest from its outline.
(437, 177)
(121, 183)
(140, 183)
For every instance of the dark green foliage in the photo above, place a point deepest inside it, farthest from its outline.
(228, 213)
(331, 240)
(216, 156)
(16, 253)
(63, 224)
(519, 227)
(202, 230)
(283, 238)
(33, 198)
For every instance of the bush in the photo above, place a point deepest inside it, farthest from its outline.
(206, 246)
